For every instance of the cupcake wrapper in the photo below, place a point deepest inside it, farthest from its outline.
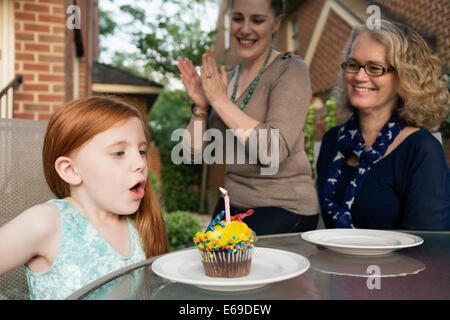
(224, 264)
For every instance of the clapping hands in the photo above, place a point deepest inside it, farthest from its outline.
(192, 82)
(209, 86)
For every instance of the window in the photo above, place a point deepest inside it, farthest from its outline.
(226, 29)
(294, 35)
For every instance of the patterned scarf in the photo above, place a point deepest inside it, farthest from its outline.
(350, 140)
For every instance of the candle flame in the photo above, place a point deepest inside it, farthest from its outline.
(223, 190)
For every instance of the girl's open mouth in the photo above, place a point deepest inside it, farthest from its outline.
(137, 191)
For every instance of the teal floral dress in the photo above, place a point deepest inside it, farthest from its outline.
(83, 256)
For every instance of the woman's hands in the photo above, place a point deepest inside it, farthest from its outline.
(192, 82)
(208, 87)
(214, 83)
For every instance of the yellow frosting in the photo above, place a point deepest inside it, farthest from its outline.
(234, 237)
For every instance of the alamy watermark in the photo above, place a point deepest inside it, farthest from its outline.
(254, 146)
(374, 280)
(74, 20)
(374, 21)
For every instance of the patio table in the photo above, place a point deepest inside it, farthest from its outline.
(421, 272)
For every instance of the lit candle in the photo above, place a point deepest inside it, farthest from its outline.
(227, 205)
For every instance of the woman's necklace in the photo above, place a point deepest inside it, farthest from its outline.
(252, 86)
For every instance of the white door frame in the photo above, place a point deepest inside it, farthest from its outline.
(7, 48)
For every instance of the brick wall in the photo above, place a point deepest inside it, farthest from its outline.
(325, 64)
(39, 55)
(432, 17)
(308, 13)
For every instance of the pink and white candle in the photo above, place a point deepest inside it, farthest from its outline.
(227, 205)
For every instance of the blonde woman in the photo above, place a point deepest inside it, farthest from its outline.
(383, 169)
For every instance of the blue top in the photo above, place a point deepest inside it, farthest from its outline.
(83, 256)
(409, 189)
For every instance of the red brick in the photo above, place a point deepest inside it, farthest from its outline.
(25, 16)
(23, 97)
(50, 58)
(59, 49)
(51, 98)
(24, 36)
(58, 68)
(58, 88)
(46, 38)
(36, 8)
(44, 116)
(61, 2)
(36, 67)
(37, 47)
(35, 87)
(28, 77)
(59, 10)
(36, 27)
(54, 19)
(25, 56)
(36, 107)
(59, 30)
(51, 78)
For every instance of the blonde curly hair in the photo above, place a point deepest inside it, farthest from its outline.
(423, 94)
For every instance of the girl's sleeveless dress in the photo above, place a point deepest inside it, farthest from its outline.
(83, 256)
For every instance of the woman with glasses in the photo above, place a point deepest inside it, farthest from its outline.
(383, 169)
(263, 101)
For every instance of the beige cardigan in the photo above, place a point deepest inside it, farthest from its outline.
(279, 101)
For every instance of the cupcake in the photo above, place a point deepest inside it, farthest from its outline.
(226, 250)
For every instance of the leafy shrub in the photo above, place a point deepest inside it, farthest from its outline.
(156, 184)
(180, 183)
(309, 136)
(445, 127)
(330, 119)
(181, 227)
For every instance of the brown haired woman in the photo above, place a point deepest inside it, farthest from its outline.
(383, 169)
(105, 216)
(267, 96)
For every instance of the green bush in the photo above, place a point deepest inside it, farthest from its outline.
(156, 184)
(181, 227)
(309, 135)
(180, 183)
(330, 119)
(445, 127)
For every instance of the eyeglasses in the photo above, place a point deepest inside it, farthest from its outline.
(372, 70)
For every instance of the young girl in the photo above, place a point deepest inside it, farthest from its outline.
(105, 216)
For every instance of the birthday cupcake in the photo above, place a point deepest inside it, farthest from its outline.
(226, 248)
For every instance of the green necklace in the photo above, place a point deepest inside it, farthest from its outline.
(252, 86)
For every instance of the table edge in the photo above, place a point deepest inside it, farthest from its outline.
(94, 285)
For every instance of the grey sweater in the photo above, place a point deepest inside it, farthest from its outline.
(279, 101)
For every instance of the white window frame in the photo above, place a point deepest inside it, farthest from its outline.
(293, 43)
(226, 28)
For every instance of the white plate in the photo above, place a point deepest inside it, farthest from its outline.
(362, 241)
(268, 266)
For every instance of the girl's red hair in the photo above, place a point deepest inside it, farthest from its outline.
(74, 125)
